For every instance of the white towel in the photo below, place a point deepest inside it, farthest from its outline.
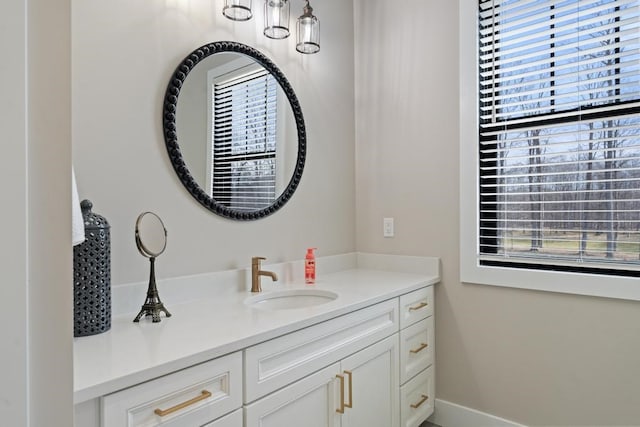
(77, 222)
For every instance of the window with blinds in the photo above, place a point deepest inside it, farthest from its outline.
(559, 133)
(244, 140)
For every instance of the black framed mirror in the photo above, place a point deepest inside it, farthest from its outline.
(234, 131)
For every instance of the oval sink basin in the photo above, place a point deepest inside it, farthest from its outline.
(290, 298)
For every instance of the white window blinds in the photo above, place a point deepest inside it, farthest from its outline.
(244, 140)
(559, 85)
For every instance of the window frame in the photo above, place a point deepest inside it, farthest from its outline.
(471, 271)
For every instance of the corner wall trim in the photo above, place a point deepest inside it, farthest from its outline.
(449, 414)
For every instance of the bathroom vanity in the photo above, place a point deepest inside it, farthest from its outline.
(355, 349)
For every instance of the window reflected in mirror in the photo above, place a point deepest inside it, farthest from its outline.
(242, 166)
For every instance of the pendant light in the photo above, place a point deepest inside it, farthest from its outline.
(237, 10)
(308, 29)
(276, 19)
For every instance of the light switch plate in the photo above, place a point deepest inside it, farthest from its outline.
(387, 230)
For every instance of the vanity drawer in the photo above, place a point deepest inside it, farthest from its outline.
(416, 348)
(193, 396)
(281, 361)
(416, 399)
(416, 306)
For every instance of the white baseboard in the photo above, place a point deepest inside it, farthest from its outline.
(449, 414)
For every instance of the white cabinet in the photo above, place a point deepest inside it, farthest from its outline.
(417, 347)
(360, 390)
(362, 385)
(371, 367)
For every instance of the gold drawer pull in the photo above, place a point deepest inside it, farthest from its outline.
(340, 410)
(205, 394)
(419, 349)
(418, 307)
(417, 405)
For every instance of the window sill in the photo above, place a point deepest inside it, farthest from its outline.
(627, 288)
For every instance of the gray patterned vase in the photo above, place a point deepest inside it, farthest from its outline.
(92, 276)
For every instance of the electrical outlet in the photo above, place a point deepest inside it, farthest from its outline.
(387, 227)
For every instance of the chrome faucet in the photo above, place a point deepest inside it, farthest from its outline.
(256, 273)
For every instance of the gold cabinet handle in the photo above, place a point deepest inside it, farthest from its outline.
(350, 404)
(419, 349)
(417, 405)
(340, 410)
(418, 307)
(203, 395)
(343, 405)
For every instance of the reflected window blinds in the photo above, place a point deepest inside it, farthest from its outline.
(244, 140)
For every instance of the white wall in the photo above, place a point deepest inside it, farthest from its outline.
(13, 186)
(123, 55)
(36, 290)
(533, 357)
(49, 204)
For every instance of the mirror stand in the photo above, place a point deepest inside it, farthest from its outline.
(152, 305)
(151, 240)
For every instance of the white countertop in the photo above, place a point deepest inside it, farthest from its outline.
(131, 353)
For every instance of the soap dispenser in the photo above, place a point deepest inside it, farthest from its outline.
(310, 267)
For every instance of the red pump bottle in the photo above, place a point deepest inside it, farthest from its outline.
(310, 267)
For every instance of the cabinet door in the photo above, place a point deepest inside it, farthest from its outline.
(371, 381)
(234, 419)
(309, 402)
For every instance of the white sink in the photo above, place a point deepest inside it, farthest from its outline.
(290, 298)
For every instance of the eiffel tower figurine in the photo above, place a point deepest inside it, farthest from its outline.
(152, 227)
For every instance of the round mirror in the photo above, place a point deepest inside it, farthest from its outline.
(151, 236)
(234, 131)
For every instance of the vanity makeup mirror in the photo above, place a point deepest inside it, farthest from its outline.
(151, 240)
(151, 236)
(234, 131)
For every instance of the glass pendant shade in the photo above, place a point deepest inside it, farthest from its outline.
(237, 10)
(308, 32)
(276, 19)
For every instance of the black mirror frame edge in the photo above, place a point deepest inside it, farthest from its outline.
(171, 137)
